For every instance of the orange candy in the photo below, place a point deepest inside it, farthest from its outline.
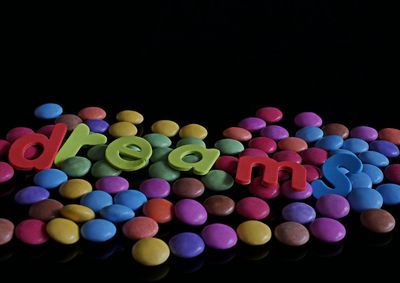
(92, 112)
(293, 143)
(140, 227)
(161, 210)
(237, 133)
(390, 134)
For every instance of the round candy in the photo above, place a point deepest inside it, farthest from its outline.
(161, 169)
(313, 173)
(333, 206)
(165, 127)
(378, 220)
(45, 210)
(227, 163)
(390, 134)
(16, 133)
(292, 143)
(217, 180)
(76, 166)
(97, 126)
(122, 129)
(96, 200)
(252, 208)
(237, 133)
(331, 142)
(219, 205)
(392, 173)
(48, 111)
(160, 154)
(254, 233)
(190, 212)
(288, 192)
(4, 147)
(158, 140)
(364, 132)
(265, 192)
(50, 178)
(6, 172)
(112, 184)
(305, 119)
(253, 152)
(98, 230)
(63, 231)
(274, 132)
(265, 144)
(155, 188)
(299, 212)
(190, 140)
(360, 180)
(336, 129)
(270, 114)
(385, 147)
(363, 198)
(77, 213)
(314, 156)
(193, 131)
(6, 231)
(374, 158)
(252, 124)
(291, 234)
(355, 145)
(327, 230)
(75, 188)
(32, 232)
(188, 187)
(229, 146)
(102, 168)
(117, 213)
(97, 152)
(390, 193)
(139, 228)
(92, 112)
(46, 130)
(186, 245)
(374, 173)
(131, 198)
(150, 251)
(130, 116)
(287, 155)
(161, 210)
(219, 236)
(31, 194)
(310, 134)
(70, 120)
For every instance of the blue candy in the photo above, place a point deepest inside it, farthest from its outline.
(331, 142)
(360, 180)
(390, 193)
(374, 173)
(98, 230)
(186, 245)
(131, 198)
(341, 150)
(362, 199)
(97, 126)
(385, 147)
(117, 213)
(374, 158)
(50, 178)
(310, 134)
(355, 145)
(48, 111)
(96, 200)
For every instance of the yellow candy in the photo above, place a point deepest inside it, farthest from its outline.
(77, 212)
(75, 188)
(131, 116)
(165, 127)
(122, 129)
(193, 131)
(254, 232)
(150, 251)
(63, 231)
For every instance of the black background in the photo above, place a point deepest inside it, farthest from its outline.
(212, 63)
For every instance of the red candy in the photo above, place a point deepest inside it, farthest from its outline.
(261, 191)
(287, 155)
(269, 114)
(313, 172)
(293, 143)
(92, 112)
(265, 144)
(227, 163)
(237, 133)
(392, 173)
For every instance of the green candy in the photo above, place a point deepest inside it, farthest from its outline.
(160, 153)
(158, 140)
(76, 166)
(229, 146)
(218, 180)
(191, 158)
(102, 169)
(186, 141)
(160, 169)
(97, 152)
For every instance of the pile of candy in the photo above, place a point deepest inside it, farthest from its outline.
(82, 187)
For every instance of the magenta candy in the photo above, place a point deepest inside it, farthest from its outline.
(265, 144)
(288, 192)
(333, 206)
(32, 232)
(392, 173)
(305, 119)
(252, 208)
(269, 114)
(4, 147)
(261, 191)
(364, 132)
(6, 172)
(112, 184)
(274, 132)
(190, 212)
(219, 236)
(313, 172)
(33, 152)
(252, 124)
(287, 155)
(18, 132)
(315, 156)
(46, 130)
(253, 152)
(155, 188)
(227, 163)
(327, 230)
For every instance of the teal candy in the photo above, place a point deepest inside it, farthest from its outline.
(102, 169)
(229, 146)
(186, 141)
(158, 140)
(97, 152)
(50, 178)
(355, 145)
(218, 180)
(374, 158)
(191, 158)
(331, 142)
(374, 173)
(390, 193)
(310, 134)
(160, 153)
(76, 166)
(161, 169)
(362, 199)
(360, 180)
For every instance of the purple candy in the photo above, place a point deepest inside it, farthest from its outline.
(112, 184)
(219, 236)
(97, 125)
(364, 132)
(155, 188)
(252, 124)
(274, 132)
(307, 119)
(190, 212)
(299, 212)
(288, 192)
(327, 230)
(333, 206)
(31, 194)
(186, 245)
(385, 147)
